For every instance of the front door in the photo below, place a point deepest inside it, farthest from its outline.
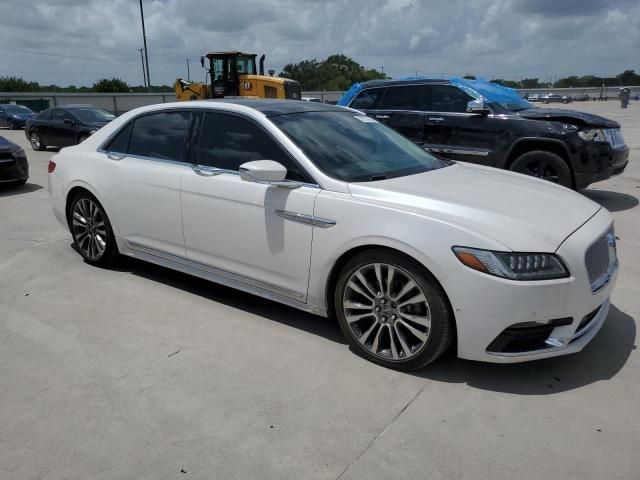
(140, 174)
(61, 130)
(453, 133)
(243, 229)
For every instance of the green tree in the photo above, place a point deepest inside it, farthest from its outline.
(530, 83)
(110, 85)
(505, 83)
(469, 77)
(336, 72)
(16, 84)
(628, 78)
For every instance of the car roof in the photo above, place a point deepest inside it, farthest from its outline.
(76, 105)
(273, 107)
(404, 81)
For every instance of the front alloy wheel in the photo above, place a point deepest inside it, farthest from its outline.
(392, 310)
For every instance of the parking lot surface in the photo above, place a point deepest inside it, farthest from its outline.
(141, 372)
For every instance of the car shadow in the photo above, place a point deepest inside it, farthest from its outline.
(612, 201)
(600, 360)
(292, 317)
(7, 190)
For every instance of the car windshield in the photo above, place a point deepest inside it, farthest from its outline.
(17, 109)
(92, 115)
(355, 148)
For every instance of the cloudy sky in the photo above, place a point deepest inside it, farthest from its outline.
(75, 42)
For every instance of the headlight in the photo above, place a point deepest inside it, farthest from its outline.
(513, 265)
(593, 135)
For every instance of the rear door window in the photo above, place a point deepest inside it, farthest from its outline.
(160, 135)
(367, 98)
(120, 143)
(405, 97)
(59, 115)
(446, 98)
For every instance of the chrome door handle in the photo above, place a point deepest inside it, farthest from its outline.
(436, 119)
(115, 156)
(382, 116)
(206, 172)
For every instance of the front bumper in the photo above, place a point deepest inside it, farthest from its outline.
(485, 306)
(598, 161)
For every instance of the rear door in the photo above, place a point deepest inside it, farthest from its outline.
(3, 117)
(453, 133)
(140, 174)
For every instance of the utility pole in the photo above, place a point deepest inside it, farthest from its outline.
(144, 73)
(382, 69)
(188, 73)
(144, 38)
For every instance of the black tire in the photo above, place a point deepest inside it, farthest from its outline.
(439, 332)
(545, 165)
(88, 240)
(10, 125)
(82, 138)
(20, 183)
(36, 142)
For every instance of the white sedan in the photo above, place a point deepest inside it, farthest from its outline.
(325, 209)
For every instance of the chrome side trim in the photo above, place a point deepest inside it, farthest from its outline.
(306, 219)
(478, 153)
(219, 273)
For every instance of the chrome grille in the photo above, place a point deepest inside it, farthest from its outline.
(601, 260)
(614, 137)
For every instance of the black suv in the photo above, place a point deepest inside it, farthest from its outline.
(481, 122)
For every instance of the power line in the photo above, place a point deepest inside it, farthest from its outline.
(50, 54)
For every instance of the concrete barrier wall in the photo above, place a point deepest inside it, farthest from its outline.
(123, 102)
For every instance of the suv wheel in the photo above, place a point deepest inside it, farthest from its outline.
(91, 230)
(545, 165)
(392, 311)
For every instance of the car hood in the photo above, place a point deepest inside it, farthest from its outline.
(520, 212)
(568, 116)
(23, 116)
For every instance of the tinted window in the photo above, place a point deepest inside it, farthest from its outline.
(355, 148)
(410, 97)
(445, 98)
(46, 115)
(160, 135)
(367, 98)
(228, 141)
(120, 142)
(93, 115)
(59, 115)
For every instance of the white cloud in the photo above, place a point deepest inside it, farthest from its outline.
(505, 38)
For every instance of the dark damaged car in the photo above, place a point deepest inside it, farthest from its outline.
(481, 122)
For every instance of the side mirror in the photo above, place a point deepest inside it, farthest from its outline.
(68, 121)
(266, 172)
(477, 106)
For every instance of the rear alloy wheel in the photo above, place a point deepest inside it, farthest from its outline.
(545, 165)
(36, 143)
(10, 125)
(91, 230)
(391, 311)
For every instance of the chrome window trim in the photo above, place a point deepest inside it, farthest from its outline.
(219, 171)
(466, 114)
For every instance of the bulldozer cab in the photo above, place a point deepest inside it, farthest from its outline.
(225, 69)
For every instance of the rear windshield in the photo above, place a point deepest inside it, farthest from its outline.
(92, 115)
(353, 147)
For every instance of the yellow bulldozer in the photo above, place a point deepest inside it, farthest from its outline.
(234, 74)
